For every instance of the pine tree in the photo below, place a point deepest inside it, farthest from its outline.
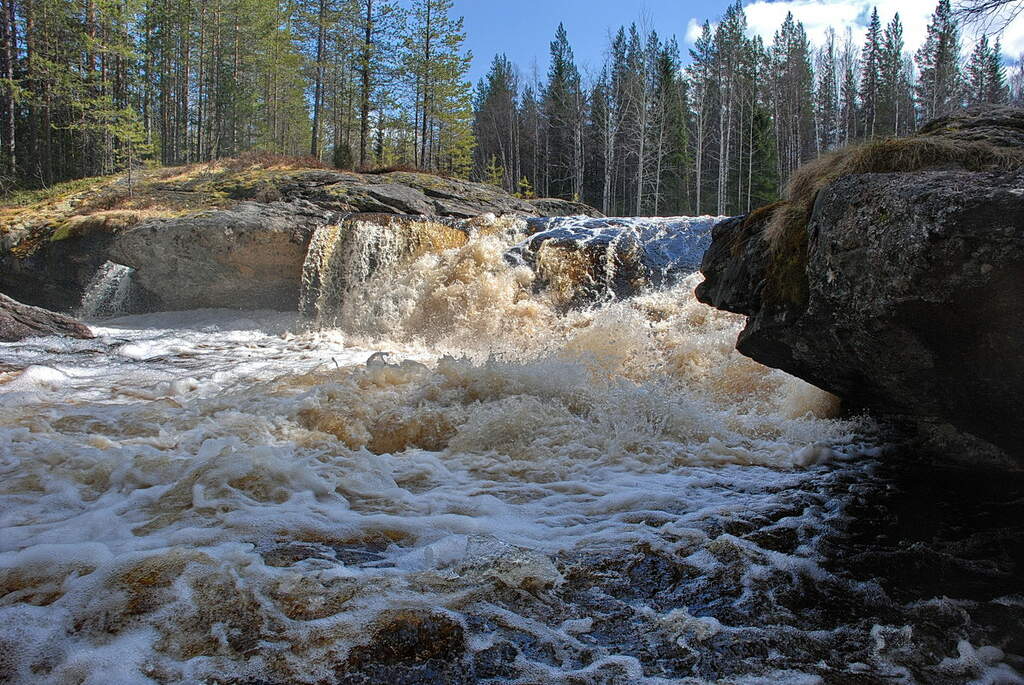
(564, 110)
(939, 87)
(379, 24)
(826, 95)
(871, 76)
(435, 62)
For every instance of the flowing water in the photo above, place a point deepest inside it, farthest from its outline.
(458, 475)
(109, 293)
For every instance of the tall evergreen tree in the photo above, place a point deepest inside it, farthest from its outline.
(940, 87)
(985, 76)
(497, 122)
(379, 24)
(826, 95)
(791, 96)
(871, 76)
(895, 104)
(564, 110)
(437, 65)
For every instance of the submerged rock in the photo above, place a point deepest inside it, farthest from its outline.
(411, 647)
(914, 292)
(19, 321)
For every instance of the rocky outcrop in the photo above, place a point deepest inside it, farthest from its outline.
(914, 292)
(401, 192)
(585, 260)
(54, 276)
(245, 249)
(553, 206)
(19, 321)
(248, 257)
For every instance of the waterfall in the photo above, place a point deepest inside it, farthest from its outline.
(368, 273)
(349, 254)
(109, 293)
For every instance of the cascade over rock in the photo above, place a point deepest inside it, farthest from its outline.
(914, 290)
(245, 247)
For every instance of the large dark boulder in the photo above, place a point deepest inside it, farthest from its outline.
(19, 321)
(914, 296)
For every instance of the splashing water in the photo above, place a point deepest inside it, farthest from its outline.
(452, 479)
(109, 293)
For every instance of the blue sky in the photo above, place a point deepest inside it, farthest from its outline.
(523, 28)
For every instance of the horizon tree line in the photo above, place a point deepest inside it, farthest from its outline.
(90, 87)
(724, 133)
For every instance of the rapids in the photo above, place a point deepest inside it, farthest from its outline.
(452, 476)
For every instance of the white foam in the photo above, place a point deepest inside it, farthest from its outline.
(224, 495)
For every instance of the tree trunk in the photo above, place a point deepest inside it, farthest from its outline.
(365, 85)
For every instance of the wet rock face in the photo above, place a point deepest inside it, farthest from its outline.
(19, 321)
(916, 293)
(249, 257)
(56, 276)
(245, 256)
(587, 260)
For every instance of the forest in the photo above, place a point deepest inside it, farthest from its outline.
(92, 87)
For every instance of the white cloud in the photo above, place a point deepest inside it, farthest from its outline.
(765, 17)
(693, 30)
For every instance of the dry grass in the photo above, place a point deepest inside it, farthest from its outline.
(105, 203)
(786, 230)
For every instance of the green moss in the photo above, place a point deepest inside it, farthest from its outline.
(63, 231)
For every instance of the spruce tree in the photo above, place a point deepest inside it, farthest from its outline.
(896, 106)
(940, 87)
(977, 72)
(496, 122)
(564, 113)
(701, 75)
(791, 95)
(871, 76)
(826, 95)
(998, 91)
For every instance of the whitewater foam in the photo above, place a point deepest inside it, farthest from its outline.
(227, 497)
